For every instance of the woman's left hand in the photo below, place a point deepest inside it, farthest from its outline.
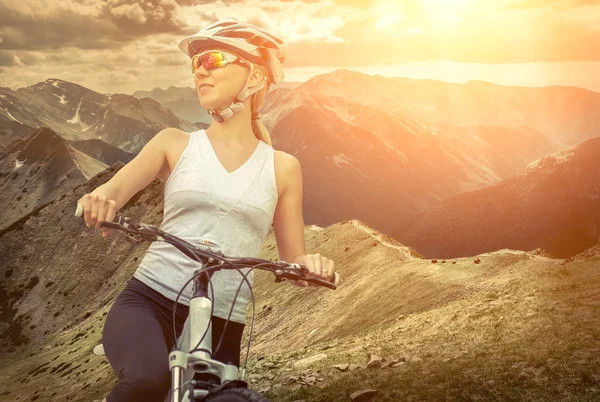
(318, 266)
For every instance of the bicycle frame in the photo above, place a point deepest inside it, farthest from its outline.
(183, 362)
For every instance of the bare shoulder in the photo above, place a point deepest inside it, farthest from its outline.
(287, 170)
(171, 134)
(286, 161)
(172, 142)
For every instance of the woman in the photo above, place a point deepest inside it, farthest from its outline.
(224, 184)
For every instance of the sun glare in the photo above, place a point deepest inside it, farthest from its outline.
(445, 14)
(387, 21)
(387, 14)
(442, 15)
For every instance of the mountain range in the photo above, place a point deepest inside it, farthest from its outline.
(78, 113)
(183, 101)
(552, 203)
(387, 162)
(566, 115)
(377, 161)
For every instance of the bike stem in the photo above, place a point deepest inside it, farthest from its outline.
(199, 315)
(200, 359)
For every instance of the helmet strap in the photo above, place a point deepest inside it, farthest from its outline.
(227, 113)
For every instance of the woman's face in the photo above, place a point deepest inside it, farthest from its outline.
(225, 83)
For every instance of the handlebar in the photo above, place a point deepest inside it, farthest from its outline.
(137, 232)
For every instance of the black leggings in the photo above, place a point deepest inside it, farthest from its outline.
(138, 337)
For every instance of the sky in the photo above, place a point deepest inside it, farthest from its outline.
(121, 46)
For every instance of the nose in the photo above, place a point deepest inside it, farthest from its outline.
(201, 71)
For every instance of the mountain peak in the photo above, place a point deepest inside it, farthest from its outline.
(39, 145)
(51, 83)
(558, 158)
(38, 168)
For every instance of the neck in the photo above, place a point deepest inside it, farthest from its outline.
(237, 130)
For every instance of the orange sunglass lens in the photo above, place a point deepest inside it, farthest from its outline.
(208, 60)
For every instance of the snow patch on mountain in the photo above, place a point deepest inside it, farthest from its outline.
(10, 115)
(86, 127)
(62, 98)
(395, 150)
(104, 119)
(18, 164)
(341, 158)
(4, 97)
(75, 119)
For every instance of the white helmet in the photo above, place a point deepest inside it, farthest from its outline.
(252, 43)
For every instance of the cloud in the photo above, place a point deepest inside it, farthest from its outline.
(95, 24)
(7, 58)
(145, 17)
(291, 21)
(112, 39)
(130, 13)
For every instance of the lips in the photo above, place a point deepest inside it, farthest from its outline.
(204, 87)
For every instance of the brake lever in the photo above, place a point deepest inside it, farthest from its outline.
(132, 239)
(148, 230)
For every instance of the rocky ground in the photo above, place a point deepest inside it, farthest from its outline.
(530, 331)
(501, 326)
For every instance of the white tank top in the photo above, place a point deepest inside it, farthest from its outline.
(203, 201)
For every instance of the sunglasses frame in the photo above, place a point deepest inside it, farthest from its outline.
(227, 57)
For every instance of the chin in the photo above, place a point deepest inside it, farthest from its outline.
(208, 103)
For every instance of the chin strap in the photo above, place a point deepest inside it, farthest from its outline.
(227, 113)
(237, 105)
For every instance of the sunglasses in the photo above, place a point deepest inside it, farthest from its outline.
(213, 59)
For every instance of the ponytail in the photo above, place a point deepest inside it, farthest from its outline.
(258, 128)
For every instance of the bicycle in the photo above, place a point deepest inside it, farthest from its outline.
(207, 379)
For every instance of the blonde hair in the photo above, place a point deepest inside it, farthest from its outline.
(258, 128)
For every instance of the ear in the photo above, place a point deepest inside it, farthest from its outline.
(257, 77)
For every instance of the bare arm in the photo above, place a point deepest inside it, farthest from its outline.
(288, 222)
(140, 171)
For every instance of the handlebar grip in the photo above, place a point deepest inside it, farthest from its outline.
(327, 284)
(115, 224)
(336, 278)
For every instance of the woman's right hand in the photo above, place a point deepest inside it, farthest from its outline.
(97, 209)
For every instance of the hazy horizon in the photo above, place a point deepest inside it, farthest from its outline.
(529, 75)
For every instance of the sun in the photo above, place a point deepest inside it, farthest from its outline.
(445, 14)
(441, 15)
